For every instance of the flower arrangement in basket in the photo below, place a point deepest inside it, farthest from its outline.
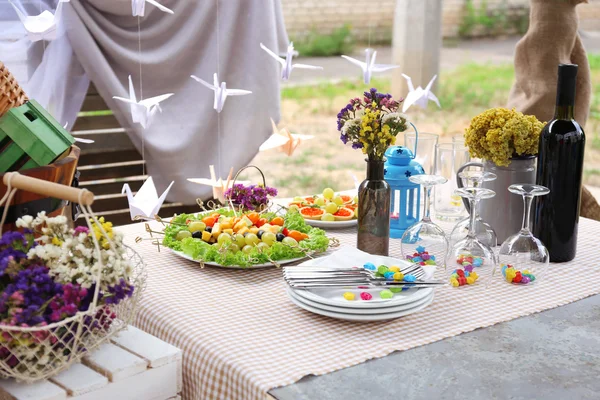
(250, 197)
(63, 290)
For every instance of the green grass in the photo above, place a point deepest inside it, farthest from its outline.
(325, 45)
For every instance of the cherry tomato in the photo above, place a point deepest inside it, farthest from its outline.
(210, 221)
(260, 222)
(285, 231)
(277, 221)
(254, 217)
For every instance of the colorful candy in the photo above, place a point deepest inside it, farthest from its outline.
(421, 257)
(395, 289)
(462, 277)
(386, 294)
(366, 296)
(513, 275)
(349, 296)
(394, 268)
(370, 266)
(398, 276)
(389, 275)
(382, 269)
(410, 278)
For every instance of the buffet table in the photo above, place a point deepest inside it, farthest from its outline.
(242, 337)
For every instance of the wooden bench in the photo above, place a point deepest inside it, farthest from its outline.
(133, 365)
(110, 162)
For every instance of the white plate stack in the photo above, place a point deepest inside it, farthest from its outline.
(330, 302)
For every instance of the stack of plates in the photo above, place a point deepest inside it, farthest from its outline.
(331, 303)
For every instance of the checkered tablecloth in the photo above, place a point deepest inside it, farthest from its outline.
(241, 336)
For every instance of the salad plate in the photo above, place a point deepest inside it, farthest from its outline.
(331, 224)
(254, 266)
(229, 238)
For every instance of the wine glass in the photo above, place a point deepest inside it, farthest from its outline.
(470, 260)
(424, 241)
(523, 257)
(484, 231)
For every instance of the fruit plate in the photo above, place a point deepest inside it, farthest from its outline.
(331, 224)
(256, 266)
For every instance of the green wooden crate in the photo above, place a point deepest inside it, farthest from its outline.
(30, 137)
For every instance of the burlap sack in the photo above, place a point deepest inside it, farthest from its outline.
(552, 39)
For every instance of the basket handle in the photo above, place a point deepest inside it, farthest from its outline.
(50, 189)
(246, 167)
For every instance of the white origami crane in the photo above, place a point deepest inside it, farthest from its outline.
(219, 186)
(143, 111)
(286, 63)
(79, 139)
(369, 66)
(419, 96)
(283, 140)
(138, 7)
(42, 26)
(146, 202)
(221, 91)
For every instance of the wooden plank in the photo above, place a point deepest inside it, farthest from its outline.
(93, 157)
(115, 362)
(148, 347)
(43, 390)
(94, 102)
(113, 185)
(96, 122)
(79, 379)
(111, 170)
(154, 384)
(115, 139)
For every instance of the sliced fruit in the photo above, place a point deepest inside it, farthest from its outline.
(277, 221)
(216, 230)
(327, 217)
(206, 236)
(297, 235)
(312, 212)
(345, 198)
(344, 214)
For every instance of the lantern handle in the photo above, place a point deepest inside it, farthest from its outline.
(416, 139)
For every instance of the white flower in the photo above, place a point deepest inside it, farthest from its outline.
(25, 222)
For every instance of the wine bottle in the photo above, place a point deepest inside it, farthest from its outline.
(560, 168)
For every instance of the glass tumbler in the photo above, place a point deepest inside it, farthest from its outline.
(449, 158)
(425, 154)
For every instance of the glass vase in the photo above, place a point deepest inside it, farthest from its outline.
(374, 196)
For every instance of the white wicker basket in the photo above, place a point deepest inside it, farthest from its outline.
(31, 354)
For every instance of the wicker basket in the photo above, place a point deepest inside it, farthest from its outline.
(11, 94)
(33, 353)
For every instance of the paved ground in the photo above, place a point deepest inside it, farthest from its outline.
(495, 51)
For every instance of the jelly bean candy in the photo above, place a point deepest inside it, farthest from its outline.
(517, 277)
(398, 276)
(474, 275)
(454, 282)
(460, 272)
(363, 287)
(425, 257)
(462, 281)
(395, 289)
(417, 259)
(470, 280)
(389, 275)
(504, 267)
(430, 262)
(478, 262)
(420, 249)
(382, 269)
(409, 278)
(386, 294)
(454, 275)
(422, 263)
(526, 272)
(432, 257)
(370, 266)
(366, 296)
(525, 280)
(394, 268)
(467, 274)
(349, 296)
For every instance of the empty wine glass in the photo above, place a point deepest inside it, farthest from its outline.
(425, 242)
(483, 230)
(523, 257)
(471, 261)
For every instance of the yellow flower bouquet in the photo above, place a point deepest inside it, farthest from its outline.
(500, 134)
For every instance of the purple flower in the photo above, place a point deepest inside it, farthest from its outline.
(357, 145)
(81, 229)
(344, 138)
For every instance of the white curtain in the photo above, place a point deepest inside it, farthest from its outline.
(184, 140)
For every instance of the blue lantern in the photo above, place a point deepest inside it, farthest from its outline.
(406, 196)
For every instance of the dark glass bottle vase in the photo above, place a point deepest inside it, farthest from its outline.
(374, 197)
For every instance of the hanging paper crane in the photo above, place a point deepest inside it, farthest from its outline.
(219, 186)
(369, 66)
(42, 26)
(146, 202)
(143, 111)
(138, 7)
(286, 63)
(283, 140)
(221, 91)
(419, 96)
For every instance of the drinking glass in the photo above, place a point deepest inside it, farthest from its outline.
(449, 158)
(470, 261)
(523, 257)
(458, 139)
(483, 230)
(425, 236)
(425, 154)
